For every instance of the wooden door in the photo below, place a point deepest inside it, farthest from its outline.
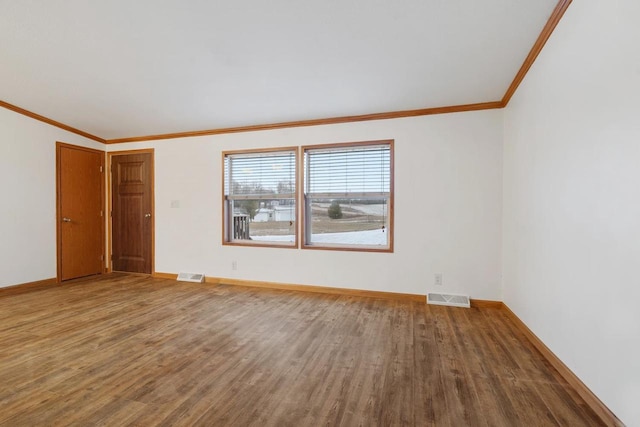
(80, 211)
(131, 216)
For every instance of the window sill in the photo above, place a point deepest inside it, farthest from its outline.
(258, 244)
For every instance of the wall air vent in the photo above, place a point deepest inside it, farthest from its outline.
(447, 299)
(191, 277)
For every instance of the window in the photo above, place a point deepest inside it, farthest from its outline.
(348, 196)
(260, 197)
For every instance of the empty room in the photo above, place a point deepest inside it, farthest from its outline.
(349, 213)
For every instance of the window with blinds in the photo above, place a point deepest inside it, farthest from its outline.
(348, 196)
(260, 197)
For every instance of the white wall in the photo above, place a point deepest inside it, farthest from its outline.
(448, 174)
(572, 199)
(28, 190)
(571, 229)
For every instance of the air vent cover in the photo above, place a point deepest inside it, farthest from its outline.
(447, 299)
(191, 277)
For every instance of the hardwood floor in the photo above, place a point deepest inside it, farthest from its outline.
(131, 350)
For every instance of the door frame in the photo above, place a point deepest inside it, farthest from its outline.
(109, 185)
(59, 146)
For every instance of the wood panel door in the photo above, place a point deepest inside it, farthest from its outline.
(80, 213)
(132, 212)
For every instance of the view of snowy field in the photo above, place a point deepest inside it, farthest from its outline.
(368, 237)
(356, 224)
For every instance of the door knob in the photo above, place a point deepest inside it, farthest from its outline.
(147, 215)
(65, 219)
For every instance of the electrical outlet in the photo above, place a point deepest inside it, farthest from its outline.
(438, 279)
(234, 265)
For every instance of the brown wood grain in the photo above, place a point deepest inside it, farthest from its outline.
(109, 186)
(542, 39)
(317, 122)
(80, 219)
(481, 303)
(132, 212)
(49, 121)
(304, 288)
(27, 287)
(131, 350)
(321, 289)
(573, 382)
(328, 290)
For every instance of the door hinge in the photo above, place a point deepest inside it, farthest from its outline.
(101, 169)
(101, 257)
(101, 213)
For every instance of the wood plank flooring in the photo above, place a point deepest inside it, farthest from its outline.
(128, 350)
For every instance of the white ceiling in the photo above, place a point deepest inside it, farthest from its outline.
(125, 68)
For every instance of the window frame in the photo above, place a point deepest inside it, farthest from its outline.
(305, 217)
(227, 239)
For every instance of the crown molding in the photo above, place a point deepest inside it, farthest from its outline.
(49, 121)
(551, 24)
(548, 29)
(317, 122)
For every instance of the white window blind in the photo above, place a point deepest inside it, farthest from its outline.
(348, 196)
(260, 175)
(357, 171)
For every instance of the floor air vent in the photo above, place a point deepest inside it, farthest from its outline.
(191, 277)
(446, 299)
